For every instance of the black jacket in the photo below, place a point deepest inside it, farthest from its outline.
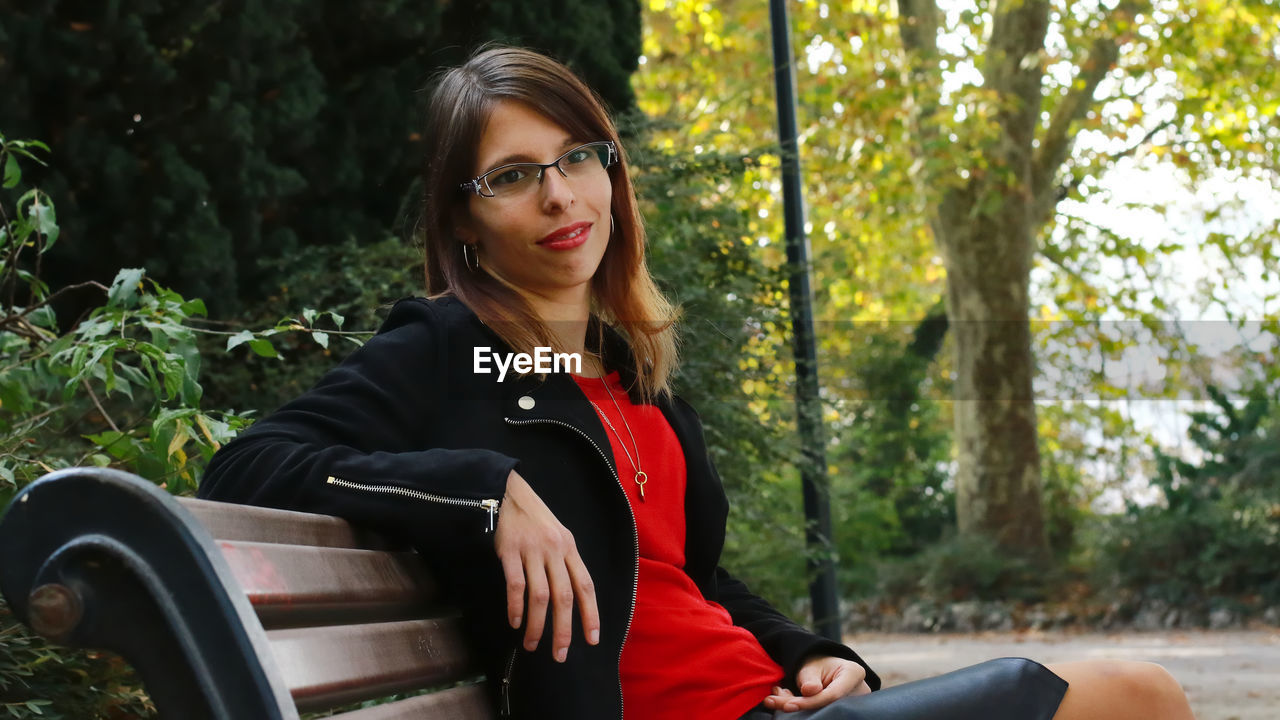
(404, 437)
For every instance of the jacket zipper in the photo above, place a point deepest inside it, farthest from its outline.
(506, 683)
(635, 536)
(489, 504)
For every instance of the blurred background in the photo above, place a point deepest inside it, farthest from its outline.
(1044, 260)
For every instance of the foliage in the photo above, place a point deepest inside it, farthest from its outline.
(197, 139)
(356, 282)
(958, 568)
(732, 370)
(1186, 95)
(890, 459)
(40, 680)
(120, 388)
(1217, 532)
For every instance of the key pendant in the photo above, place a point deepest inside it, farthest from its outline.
(641, 479)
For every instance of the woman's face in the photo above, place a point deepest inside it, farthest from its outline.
(546, 242)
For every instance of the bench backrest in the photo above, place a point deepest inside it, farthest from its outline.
(228, 611)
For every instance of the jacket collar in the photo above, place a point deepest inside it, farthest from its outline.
(555, 398)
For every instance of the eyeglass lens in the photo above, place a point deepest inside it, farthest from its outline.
(581, 162)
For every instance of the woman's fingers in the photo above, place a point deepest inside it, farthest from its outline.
(585, 589)
(539, 593)
(513, 569)
(780, 695)
(822, 681)
(544, 571)
(562, 609)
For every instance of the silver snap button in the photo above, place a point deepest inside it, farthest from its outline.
(525, 402)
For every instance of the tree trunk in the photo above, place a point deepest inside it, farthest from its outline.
(997, 461)
(985, 229)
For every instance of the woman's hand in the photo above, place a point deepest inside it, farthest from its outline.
(540, 560)
(822, 680)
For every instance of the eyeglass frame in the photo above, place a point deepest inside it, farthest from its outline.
(477, 183)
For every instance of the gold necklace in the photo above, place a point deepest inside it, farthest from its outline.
(640, 477)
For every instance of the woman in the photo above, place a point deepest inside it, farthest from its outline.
(598, 591)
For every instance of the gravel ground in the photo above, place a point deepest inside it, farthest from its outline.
(1228, 675)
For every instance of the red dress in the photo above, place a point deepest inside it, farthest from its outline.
(683, 656)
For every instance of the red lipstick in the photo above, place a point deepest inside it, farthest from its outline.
(567, 237)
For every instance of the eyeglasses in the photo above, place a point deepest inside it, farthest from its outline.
(517, 179)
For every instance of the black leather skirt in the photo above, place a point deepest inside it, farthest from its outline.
(1002, 689)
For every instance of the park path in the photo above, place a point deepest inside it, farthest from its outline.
(1228, 675)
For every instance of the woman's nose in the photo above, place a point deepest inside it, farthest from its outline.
(557, 195)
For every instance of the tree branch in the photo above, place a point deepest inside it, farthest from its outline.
(51, 298)
(93, 396)
(918, 23)
(1013, 69)
(1060, 136)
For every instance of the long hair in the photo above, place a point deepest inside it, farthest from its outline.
(624, 294)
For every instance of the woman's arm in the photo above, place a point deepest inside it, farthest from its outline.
(790, 645)
(357, 446)
(353, 444)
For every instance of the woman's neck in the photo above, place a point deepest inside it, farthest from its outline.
(565, 316)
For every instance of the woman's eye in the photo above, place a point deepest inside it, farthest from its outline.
(578, 156)
(507, 177)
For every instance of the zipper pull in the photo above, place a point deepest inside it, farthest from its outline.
(492, 506)
(506, 697)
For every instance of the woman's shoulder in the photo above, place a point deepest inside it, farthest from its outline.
(439, 313)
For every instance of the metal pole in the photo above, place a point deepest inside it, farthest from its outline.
(813, 472)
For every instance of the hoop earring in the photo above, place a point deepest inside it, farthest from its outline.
(472, 259)
(611, 224)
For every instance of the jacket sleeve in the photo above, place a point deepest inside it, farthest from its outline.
(786, 642)
(357, 445)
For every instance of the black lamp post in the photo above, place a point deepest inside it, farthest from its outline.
(817, 506)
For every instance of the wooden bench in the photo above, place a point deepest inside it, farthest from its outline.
(230, 612)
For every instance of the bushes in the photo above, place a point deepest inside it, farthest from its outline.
(117, 387)
(959, 568)
(1217, 534)
(38, 679)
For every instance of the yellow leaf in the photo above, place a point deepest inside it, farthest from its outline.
(204, 430)
(179, 439)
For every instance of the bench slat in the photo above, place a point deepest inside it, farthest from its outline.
(331, 666)
(226, 521)
(296, 585)
(463, 703)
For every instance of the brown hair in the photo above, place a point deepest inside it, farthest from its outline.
(624, 294)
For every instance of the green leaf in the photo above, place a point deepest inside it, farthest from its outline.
(194, 307)
(322, 338)
(43, 316)
(46, 223)
(172, 367)
(263, 347)
(12, 173)
(122, 385)
(125, 287)
(309, 314)
(118, 445)
(169, 415)
(238, 339)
